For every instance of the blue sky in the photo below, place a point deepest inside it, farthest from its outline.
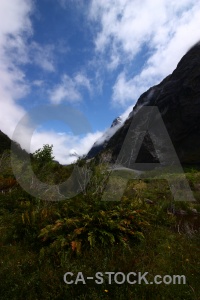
(96, 56)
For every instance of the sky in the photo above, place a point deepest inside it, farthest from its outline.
(94, 56)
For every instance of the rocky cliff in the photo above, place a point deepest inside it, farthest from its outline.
(102, 142)
(5, 144)
(178, 100)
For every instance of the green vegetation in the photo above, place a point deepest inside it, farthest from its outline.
(44, 155)
(42, 240)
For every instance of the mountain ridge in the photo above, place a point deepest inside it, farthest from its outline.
(6, 144)
(178, 99)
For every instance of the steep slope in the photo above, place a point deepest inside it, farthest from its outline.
(5, 144)
(178, 100)
(102, 142)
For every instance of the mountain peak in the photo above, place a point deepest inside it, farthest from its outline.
(101, 143)
(116, 121)
(178, 100)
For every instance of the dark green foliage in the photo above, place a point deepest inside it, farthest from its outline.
(96, 228)
(44, 155)
(5, 142)
(41, 240)
(6, 145)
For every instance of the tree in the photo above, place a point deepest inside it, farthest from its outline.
(44, 155)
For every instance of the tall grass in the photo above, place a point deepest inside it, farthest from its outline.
(40, 241)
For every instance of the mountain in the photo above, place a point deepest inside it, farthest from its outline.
(73, 153)
(102, 142)
(5, 144)
(116, 122)
(178, 100)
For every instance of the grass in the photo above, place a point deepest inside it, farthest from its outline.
(41, 241)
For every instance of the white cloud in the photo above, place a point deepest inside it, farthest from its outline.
(126, 91)
(15, 30)
(125, 115)
(109, 132)
(42, 56)
(65, 91)
(64, 145)
(82, 80)
(66, 3)
(38, 83)
(166, 28)
(15, 27)
(126, 24)
(69, 90)
(14, 18)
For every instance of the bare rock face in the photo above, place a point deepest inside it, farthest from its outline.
(5, 144)
(102, 142)
(178, 100)
(116, 122)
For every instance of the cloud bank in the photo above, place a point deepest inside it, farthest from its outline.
(69, 90)
(124, 32)
(18, 48)
(15, 28)
(167, 29)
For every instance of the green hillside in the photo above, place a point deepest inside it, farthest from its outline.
(144, 232)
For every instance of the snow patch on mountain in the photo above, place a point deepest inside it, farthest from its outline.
(116, 124)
